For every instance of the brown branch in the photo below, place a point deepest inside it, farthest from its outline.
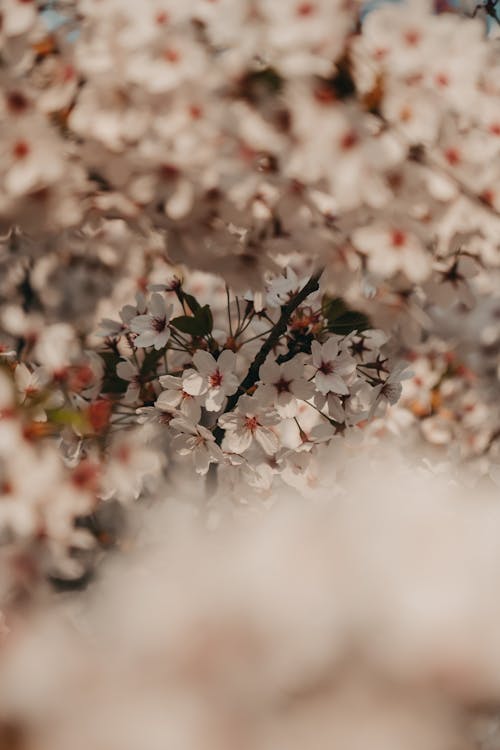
(277, 332)
(252, 375)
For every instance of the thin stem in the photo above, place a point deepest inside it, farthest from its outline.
(228, 300)
(257, 336)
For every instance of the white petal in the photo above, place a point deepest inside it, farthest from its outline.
(194, 383)
(204, 362)
(201, 459)
(267, 439)
(146, 338)
(227, 361)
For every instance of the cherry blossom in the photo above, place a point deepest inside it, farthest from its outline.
(152, 327)
(176, 397)
(248, 423)
(196, 441)
(333, 367)
(282, 384)
(392, 249)
(213, 379)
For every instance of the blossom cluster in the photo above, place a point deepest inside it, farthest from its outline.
(227, 396)
(246, 247)
(208, 158)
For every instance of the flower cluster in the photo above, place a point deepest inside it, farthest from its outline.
(254, 385)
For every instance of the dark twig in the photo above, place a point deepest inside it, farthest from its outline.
(277, 332)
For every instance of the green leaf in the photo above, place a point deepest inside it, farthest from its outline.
(200, 324)
(348, 322)
(111, 383)
(205, 315)
(333, 307)
(191, 301)
(340, 319)
(67, 417)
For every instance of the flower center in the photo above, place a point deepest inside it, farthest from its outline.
(305, 9)
(398, 238)
(158, 324)
(21, 149)
(282, 386)
(216, 379)
(251, 423)
(326, 368)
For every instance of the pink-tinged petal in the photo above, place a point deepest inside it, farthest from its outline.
(265, 394)
(191, 409)
(125, 370)
(21, 177)
(214, 451)
(330, 349)
(267, 439)
(335, 409)
(416, 265)
(238, 442)
(287, 410)
(157, 306)
(228, 421)
(384, 263)
(182, 444)
(168, 400)
(131, 394)
(170, 382)
(284, 399)
(230, 384)
(330, 383)
(183, 425)
(201, 459)
(215, 399)
(141, 323)
(204, 362)
(162, 339)
(227, 361)
(316, 353)
(194, 383)
(269, 372)
(146, 338)
(302, 389)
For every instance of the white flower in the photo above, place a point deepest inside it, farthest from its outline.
(56, 346)
(32, 388)
(282, 288)
(392, 249)
(282, 384)
(248, 423)
(18, 17)
(153, 327)
(197, 441)
(332, 367)
(127, 370)
(129, 463)
(366, 345)
(214, 379)
(389, 392)
(175, 397)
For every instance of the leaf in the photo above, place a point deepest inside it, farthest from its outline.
(67, 417)
(200, 324)
(192, 302)
(340, 319)
(333, 307)
(111, 383)
(348, 322)
(205, 315)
